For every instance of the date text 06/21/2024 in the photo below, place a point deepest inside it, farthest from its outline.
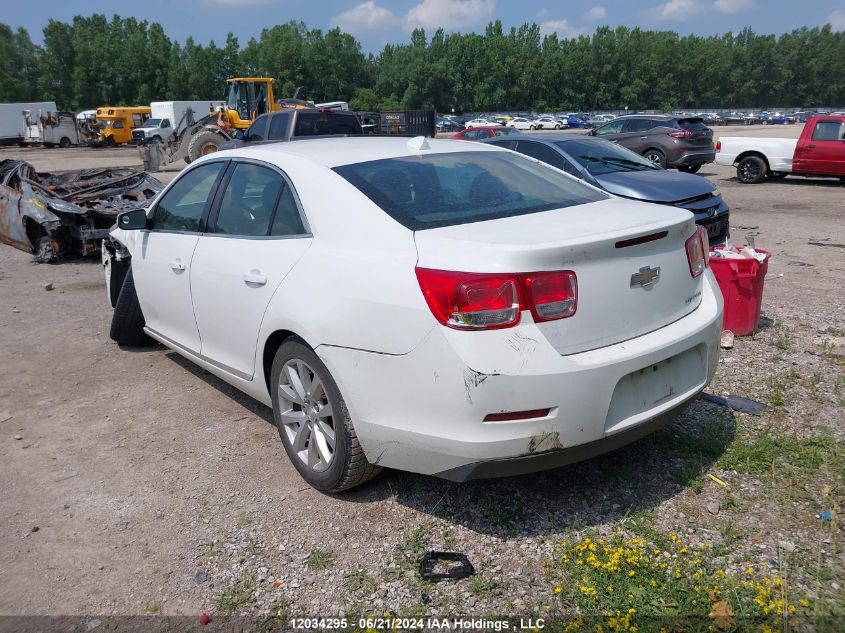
(393, 624)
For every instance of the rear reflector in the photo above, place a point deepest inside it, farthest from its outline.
(653, 237)
(719, 145)
(516, 415)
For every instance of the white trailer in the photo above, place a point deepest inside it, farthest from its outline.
(11, 128)
(50, 128)
(170, 116)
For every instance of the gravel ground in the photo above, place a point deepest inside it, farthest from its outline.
(136, 483)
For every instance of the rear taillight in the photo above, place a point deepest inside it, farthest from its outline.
(698, 251)
(551, 295)
(680, 134)
(719, 145)
(487, 301)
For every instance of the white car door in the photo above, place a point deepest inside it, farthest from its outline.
(161, 261)
(256, 235)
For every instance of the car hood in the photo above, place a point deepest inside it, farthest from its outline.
(658, 185)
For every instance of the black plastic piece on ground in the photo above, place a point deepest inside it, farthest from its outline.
(463, 569)
(737, 403)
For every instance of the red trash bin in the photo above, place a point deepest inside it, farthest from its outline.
(741, 283)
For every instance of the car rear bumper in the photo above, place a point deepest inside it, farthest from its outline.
(694, 157)
(423, 411)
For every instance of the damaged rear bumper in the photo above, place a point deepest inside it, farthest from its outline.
(424, 411)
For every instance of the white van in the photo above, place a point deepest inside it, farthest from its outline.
(166, 118)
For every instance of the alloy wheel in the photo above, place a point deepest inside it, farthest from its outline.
(307, 414)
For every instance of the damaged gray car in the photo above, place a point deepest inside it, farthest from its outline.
(63, 215)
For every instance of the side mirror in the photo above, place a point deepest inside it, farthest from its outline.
(591, 133)
(132, 220)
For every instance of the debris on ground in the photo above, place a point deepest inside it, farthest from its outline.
(48, 286)
(66, 214)
(5, 415)
(445, 566)
(726, 341)
(737, 403)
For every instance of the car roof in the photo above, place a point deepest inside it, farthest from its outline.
(335, 151)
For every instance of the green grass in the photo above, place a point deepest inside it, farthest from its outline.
(319, 560)
(276, 618)
(482, 586)
(412, 544)
(236, 596)
(754, 455)
(359, 580)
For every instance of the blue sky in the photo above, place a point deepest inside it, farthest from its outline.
(377, 22)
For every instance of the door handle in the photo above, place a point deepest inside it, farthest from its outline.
(255, 277)
(177, 265)
(811, 145)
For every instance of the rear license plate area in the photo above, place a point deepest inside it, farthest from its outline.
(648, 390)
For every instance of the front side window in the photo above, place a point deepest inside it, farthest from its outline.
(183, 204)
(165, 123)
(614, 127)
(434, 190)
(249, 200)
(258, 130)
(117, 125)
(829, 131)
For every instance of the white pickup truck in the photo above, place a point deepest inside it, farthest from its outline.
(819, 151)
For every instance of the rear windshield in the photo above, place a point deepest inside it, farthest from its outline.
(693, 125)
(320, 123)
(426, 192)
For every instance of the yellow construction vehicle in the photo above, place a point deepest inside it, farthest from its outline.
(246, 98)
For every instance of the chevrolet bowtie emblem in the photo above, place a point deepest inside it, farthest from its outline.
(645, 277)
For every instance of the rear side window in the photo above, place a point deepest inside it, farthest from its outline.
(430, 191)
(320, 123)
(182, 206)
(278, 126)
(541, 152)
(505, 131)
(829, 131)
(637, 125)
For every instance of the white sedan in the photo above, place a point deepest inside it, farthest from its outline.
(479, 123)
(547, 122)
(435, 306)
(521, 123)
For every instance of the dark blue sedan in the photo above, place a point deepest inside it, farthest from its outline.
(626, 174)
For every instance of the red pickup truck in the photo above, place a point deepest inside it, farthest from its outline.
(819, 151)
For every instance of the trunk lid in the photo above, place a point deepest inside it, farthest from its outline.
(611, 308)
(702, 136)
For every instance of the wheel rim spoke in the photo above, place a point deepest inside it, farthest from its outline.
(313, 458)
(326, 411)
(303, 434)
(295, 381)
(286, 392)
(322, 446)
(328, 433)
(294, 418)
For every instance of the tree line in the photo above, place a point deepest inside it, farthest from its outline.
(94, 61)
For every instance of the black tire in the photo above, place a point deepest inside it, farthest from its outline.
(127, 322)
(203, 143)
(348, 467)
(751, 170)
(64, 143)
(156, 139)
(655, 156)
(49, 145)
(689, 169)
(21, 144)
(110, 142)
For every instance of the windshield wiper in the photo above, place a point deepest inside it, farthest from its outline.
(627, 163)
